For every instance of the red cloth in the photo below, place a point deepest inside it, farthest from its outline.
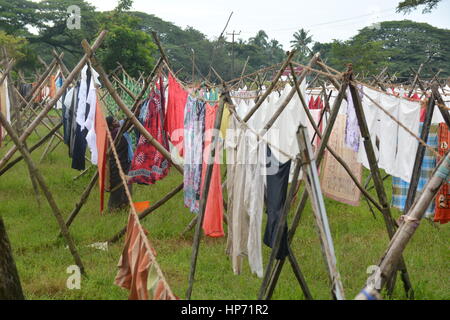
(319, 105)
(174, 124)
(442, 212)
(212, 223)
(311, 103)
(149, 165)
(102, 143)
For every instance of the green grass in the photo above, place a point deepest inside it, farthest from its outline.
(42, 259)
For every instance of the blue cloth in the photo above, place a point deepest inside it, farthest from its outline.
(400, 187)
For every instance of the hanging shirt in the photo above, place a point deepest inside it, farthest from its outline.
(175, 113)
(213, 219)
(275, 196)
(79, 142)
(409, 116)
(149, 165)
(91, 100)
(245, 189)
(388, 133)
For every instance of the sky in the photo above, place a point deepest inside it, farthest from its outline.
(325, 19)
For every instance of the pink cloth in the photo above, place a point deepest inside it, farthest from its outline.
(174, 124)
(212, 223)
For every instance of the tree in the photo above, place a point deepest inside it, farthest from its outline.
(126, 44)
(260, 39)
(301, 41)
(411, 43)
(407, 6)
(367, 57)
(10, 288)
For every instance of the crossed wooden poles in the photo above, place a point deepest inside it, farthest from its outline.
(274, 267)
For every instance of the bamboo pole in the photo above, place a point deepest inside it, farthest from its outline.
(204, 196)
(40, 179)
(405, 232)
(300, 208)
(379, 187)
(333, 153)
(441, 104)
(415, 177)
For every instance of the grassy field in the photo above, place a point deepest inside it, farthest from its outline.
(42, 259)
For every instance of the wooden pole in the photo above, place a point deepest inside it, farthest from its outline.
(415, 177)
(333, 153)
(379, 187)
(408, 227)
(204, 196)
(318, 156)
(37, 174)
(441, 104)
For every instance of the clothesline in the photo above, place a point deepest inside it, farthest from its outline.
(133, 212)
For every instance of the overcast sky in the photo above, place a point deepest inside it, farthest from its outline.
(326, 19)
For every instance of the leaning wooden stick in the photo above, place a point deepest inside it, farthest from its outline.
(379, 187)
(408, 227)
(204, 196)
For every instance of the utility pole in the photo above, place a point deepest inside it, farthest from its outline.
(232, 50)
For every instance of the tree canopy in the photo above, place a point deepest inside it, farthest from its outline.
(38, 27)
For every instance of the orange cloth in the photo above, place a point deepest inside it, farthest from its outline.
(141, 206)
(52, 86)
(102, 143)
(135, 264)
(212, 223)
(442, 212)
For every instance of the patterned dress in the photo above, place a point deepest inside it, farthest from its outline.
(194, 124)
(149, 165)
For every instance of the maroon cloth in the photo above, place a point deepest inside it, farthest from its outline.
(175, 114)
(148, 164)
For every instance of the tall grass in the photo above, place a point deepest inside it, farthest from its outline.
(42, 258)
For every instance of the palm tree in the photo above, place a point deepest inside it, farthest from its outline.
(260, 40)
(301, 41)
